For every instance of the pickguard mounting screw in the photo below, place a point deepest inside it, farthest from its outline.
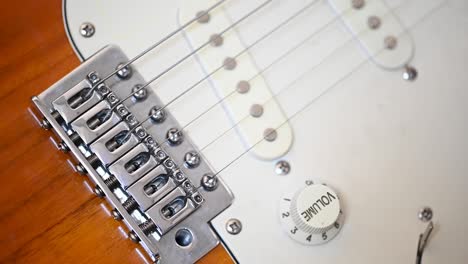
(133, 236)
(209, 182)
(123, 72)
(357, 4)
(116, 215)
(98, 192)
(233, 226)
(87, 30)
(282, 167)
(192, 159)
(410, 73)
(425, 214)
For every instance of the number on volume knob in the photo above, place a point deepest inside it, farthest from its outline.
(312, 215)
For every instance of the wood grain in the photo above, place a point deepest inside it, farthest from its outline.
(48, 213)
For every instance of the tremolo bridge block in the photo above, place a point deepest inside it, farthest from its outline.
(142, 177)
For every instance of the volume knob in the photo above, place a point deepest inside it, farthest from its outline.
(313, 215)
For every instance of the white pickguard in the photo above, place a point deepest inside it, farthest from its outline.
(387, 146)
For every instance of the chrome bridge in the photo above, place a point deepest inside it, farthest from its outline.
(152, 174)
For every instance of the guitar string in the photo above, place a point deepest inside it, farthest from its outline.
(161, 41)
(243, 51)
(184, 58)
(329, 88)
(308, 71)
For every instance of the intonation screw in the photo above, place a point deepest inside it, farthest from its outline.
(209, 182)
(192, 159)
(45, 124)
(282, 167)
(80, 169)
(98, 192)
(133, 236)
(87, 30)
(410, 73)
(116, 215)
(233, 226)
(425, 214)
(62, 146)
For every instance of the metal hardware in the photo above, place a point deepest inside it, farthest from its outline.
(98, 192)
(133, 237)
(62, 146)
(390, 42)
(358, 4)
(157, 114)
(174, 136)
(118, 164)
(87, 30)
(116, 215)
(229, 63)
(184, 237)
(209, 182)
(45, 124)
(373, 22)
(216, 40)
(124, 72)
(282, 167)
(192, 159)
(243, 87)
(80, 169)
(139, 94)
(203, 17)
(270, 134)
(256, 110)
(233, 226)
(410, 73)
(425, 214)
(422, 242)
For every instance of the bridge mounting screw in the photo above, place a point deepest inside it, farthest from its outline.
(209, 182)
(233, 226)
(157, 114)
(98, 192)
(139, 93)
(174, 136)
(133, 236)
(123, 72)
(116, 215)
(282, 167)
(192, 159)
(425, 214)
(87, 30)
(80, 169)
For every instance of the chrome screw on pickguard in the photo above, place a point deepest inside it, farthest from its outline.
(373, 22)
(116, 215)
(203, 17)
(229, 64)
(98, 192)
(209, 182)
(174, 136)
(425, 214)
(410, 73)
(157, 114)
(192, 159)
(62, 146)
(80, 169)
(216, 40)
(243, 87)
(233, 226)
(87, 30)
(390, 42)
(123, 72)
(282, 167)
(270, 134)
(256, 110)
(138, 93)
(133, 236)
(358, 4)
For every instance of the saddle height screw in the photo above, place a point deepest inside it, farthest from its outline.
(425, 214)
(233, 226)
(282, 167)
(192, 159)
(123, 72)
(87, 30)
(209, 182)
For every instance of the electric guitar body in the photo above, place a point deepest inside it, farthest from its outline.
(232, 131)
